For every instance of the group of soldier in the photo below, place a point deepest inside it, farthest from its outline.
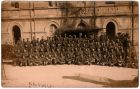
(72, 49)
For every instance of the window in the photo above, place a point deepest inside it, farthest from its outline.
(50, 3)
(55, 3)
(109, 2)
(15, 4)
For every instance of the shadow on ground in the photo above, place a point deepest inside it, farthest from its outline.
(106, 82)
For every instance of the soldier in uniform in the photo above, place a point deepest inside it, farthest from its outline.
(31, 49)
(61, 59)
(37, 61)
(54, 58)
(99, 59)
(27, 43)
(23, 41)
(93, 58)
(113, 61)
(104, 60)
(37, 47)
(120, 61)
(18, 56)
(79, 57)
(41, 52)
(30, 60)
(42, 40)
(43, 59)
(87, 59)
(23, 61)
(23, 58)
(34, 41)
(35, 54)
(49, 59)
(38, 41)
(68, 59)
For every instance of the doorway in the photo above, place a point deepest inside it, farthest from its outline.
(16, 34)
(110, 30)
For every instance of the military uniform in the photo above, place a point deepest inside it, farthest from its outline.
(34, 41)
(42, 40)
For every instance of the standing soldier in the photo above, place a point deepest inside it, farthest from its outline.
(37, 47)
(34, 41)
(23, 43)
(28, 44)
(41, 52)
(38, 41)
(31, 48)
(42, 40)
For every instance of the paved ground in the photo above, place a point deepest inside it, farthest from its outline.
(59, 75)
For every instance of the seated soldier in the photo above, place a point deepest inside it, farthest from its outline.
(113, 61)
(61, 59)
(68, 59)
(23, 61)
(37, 61)
(54, 58)
(30, 60)
(120, 61)
(99, 59)
(42, 58)
(104, 60)
(93, 59)
(87, 59)
(49, 59)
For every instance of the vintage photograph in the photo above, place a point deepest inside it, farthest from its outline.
(69, 44)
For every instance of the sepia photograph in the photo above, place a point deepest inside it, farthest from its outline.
(69, 44)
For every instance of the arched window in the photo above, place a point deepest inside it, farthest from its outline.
(16, 34)
(110, 30)
(53, 28)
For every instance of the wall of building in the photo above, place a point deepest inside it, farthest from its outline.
(35, 18)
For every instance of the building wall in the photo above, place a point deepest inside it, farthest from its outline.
(35, 18)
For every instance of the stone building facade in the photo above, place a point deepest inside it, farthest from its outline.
(42, 18)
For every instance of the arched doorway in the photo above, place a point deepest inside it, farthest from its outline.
(110, 30)
(53, 28)
(81, 25)
(16, 34)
